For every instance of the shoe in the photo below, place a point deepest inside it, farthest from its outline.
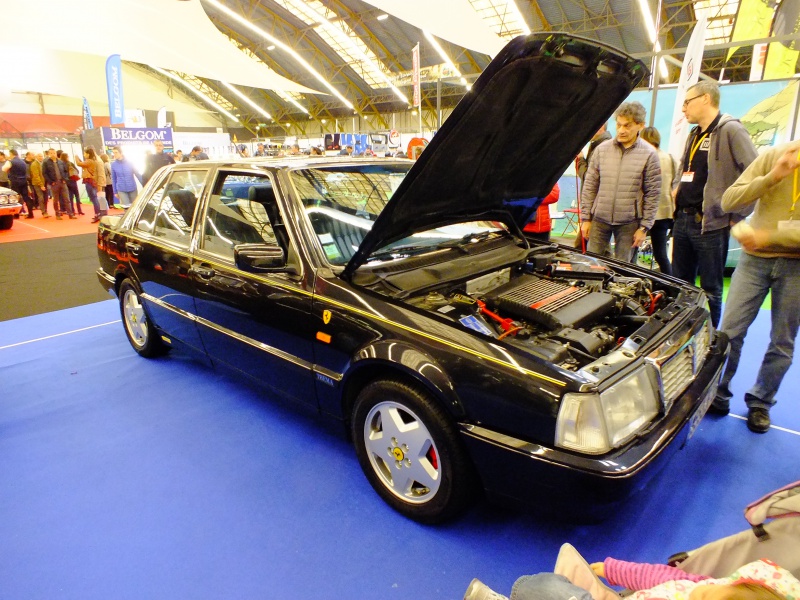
(95, 219)
(29, 217)
(478, 590)
(758, 420)
(58, 217)
(80, 212)
(73, 217)
(718, 409)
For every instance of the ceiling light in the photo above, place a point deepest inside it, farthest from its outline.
(271, 47)
(383, 17)
(196, 92)
(651, 31)
(244, 97)
(324, 121)
(299, 59)
(515, 9)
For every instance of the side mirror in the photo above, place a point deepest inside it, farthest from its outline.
(259, 258)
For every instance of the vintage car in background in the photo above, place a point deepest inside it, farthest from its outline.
(10, 207)
(402, 299)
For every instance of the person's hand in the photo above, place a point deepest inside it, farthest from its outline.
(786, 165)
(638, 237)
(598, 568)
(750, 239)
(586, 227)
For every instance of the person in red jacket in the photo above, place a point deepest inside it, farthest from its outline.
(540, 226)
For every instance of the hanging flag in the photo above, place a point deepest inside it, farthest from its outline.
(87, 116)
(690, 73)
(116, 109)
(753, 22)
(415, 75)
(782, 56)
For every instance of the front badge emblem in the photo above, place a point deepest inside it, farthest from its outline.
(326, 316)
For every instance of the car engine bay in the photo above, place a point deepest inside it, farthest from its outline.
(567, 308)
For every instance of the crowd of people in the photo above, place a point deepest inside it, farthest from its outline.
(48, 181)
(631, 189)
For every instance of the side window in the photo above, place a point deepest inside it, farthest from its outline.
(241, 210)
(169, 213)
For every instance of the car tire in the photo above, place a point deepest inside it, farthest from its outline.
(6, 222)
(410, 452)
(138, 327)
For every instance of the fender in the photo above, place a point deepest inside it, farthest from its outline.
(386, 356)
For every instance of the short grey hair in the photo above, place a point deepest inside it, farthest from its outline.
(631, 110)
(707, 87)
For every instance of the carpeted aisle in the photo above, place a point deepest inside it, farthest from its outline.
(122, 477)
(48, 274)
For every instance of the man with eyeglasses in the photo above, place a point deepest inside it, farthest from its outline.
(718, 150)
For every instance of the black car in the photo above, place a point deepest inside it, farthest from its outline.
(402, 298)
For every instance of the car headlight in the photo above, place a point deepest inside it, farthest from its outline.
(595, 423)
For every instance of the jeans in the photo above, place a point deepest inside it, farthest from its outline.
(658, 235)
(127, 198)
(547, 586)
(91, 191)
(695, 253)
(753, 278)
(72, 189)
(600, 236)
(61, 203)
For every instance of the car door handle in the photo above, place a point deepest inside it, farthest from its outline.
(203, 272)
(133, 248)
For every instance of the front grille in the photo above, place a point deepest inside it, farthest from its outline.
(680, 370)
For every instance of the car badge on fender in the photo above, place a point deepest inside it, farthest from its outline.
(326, 316)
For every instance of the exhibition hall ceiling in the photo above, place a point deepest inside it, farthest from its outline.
(269, 63)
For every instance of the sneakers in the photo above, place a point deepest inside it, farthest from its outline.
(478, 590)
(758, 420)
(73, 217)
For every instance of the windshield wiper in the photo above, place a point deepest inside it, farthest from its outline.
(464, 242)
(400, 251)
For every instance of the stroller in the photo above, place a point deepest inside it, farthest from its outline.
(774, 534)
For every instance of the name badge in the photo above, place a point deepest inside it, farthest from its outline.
(687, 177)
(788, 225)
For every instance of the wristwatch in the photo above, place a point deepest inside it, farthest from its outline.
(643, 228)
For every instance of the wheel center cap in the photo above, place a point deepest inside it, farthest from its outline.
(398, 453)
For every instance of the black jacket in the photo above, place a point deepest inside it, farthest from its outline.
(48, 170)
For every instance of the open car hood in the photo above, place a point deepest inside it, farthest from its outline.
(510, 138)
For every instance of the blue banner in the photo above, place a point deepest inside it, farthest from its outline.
(87, 116)
(116, 109)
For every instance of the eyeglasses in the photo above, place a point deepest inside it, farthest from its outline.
(686, 102)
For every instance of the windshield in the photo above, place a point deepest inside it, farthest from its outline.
(342, 203)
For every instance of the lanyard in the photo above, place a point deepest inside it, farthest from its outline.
(795, 195)
(694, 148)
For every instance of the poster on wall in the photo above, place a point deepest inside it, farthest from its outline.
(766, 109)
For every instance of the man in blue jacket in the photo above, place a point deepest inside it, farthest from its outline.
(718, 150)
(123, 177)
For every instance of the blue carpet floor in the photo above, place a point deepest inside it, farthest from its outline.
(129, 478)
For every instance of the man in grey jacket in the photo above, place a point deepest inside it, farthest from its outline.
(620, 193)
(718, 150)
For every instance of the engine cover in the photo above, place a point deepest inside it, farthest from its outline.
(552, 303)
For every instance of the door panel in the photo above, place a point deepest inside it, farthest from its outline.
(258, 324)
(160, 257)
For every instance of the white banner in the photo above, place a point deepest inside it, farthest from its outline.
(690, 73)
(415, 75)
